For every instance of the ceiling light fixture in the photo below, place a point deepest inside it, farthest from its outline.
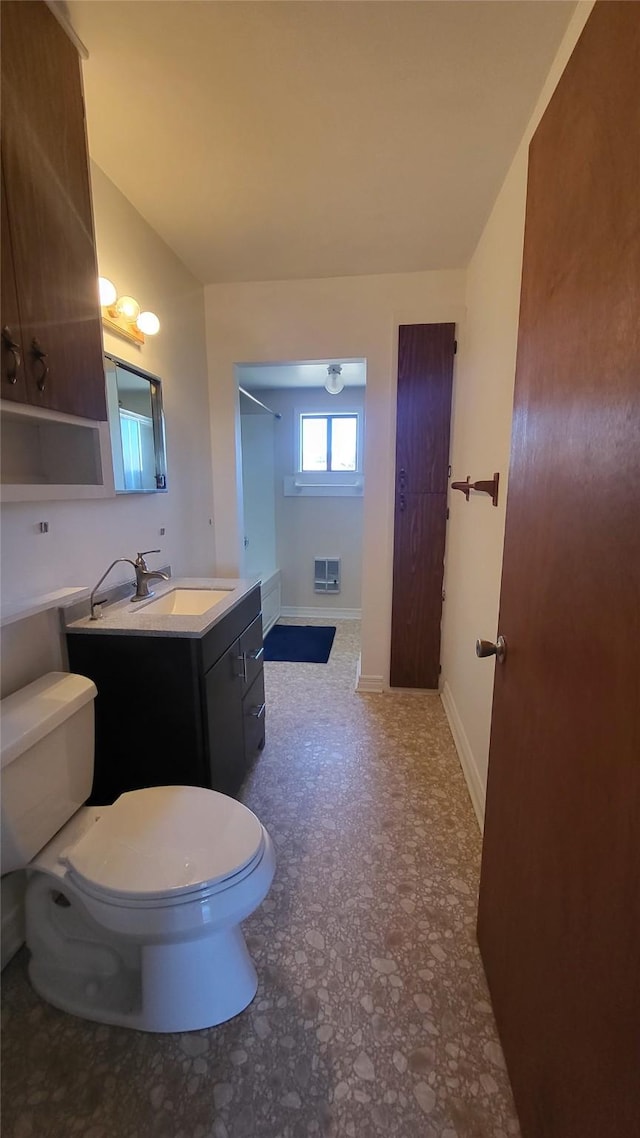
(334, 383)
(122, 314)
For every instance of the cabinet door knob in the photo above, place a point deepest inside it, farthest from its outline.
(40, 356)
(12, 346)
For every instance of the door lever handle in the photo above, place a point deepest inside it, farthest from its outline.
(487, 648)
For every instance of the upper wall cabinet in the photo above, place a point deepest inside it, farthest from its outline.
(51, 334)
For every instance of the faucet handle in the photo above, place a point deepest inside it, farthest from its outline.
(141, 556)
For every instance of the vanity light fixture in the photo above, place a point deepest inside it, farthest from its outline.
(122, 314)
(334, 383)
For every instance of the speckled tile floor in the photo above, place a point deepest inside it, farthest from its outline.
(372, 1015)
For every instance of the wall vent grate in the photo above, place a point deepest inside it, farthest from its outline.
(326, 575)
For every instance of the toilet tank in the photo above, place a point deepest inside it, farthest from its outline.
(46, 755)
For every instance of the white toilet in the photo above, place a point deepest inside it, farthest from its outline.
(133, 910)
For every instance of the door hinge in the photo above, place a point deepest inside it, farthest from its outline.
(444, 595)
(439, 669)
(447, 513)
(455, 347)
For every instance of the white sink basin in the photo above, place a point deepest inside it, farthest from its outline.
(186, 602)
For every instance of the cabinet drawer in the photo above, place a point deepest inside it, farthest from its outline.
(251, 648)
(253, 714)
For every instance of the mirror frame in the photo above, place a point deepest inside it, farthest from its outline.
(157, 418)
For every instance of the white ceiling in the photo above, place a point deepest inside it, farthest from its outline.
(268, 140)
(258, 377)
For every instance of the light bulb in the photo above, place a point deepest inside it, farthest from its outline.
(128, 307)
(334, 384)
(108, 292)
(148, 323)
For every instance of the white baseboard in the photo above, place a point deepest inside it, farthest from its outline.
(320, 613)
(476, 788)
(369, 683)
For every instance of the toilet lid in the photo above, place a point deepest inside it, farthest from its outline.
(164, 841)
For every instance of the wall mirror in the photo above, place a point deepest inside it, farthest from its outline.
(136, 426)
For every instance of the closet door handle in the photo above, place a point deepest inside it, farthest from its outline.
(486, 648)
(40, 356)
(12, 346)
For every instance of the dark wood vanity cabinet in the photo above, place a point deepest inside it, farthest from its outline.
(50, 322)
(175, 710)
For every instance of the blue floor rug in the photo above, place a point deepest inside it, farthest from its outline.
(299, 644)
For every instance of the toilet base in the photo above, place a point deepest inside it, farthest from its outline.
(158, 987)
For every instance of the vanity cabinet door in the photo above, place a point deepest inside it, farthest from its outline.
(48, 215)
(224, 727)
(148, 712)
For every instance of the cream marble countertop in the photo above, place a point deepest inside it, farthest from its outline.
(125, 618)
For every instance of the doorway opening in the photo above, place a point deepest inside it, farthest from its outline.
(301, 430)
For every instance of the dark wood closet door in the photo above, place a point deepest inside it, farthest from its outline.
(48, 199)
(425, 372)
(12, 383)
(559, 912)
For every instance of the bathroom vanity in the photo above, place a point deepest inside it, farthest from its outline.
(180, 693)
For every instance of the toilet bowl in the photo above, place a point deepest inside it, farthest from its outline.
(133, 910)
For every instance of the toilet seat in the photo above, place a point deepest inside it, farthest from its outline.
(165, 845)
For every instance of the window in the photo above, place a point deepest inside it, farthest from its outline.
(328, 442)
(138, 458)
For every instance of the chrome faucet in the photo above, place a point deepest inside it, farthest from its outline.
(144, 575)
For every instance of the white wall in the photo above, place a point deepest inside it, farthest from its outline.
(85, 536)
(481, 435)
(258, 493)
(341, 318)
(308, 527)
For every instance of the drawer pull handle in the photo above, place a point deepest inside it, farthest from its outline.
(40, 356)
(258, 712)
(12, 346)
(243, 661)
(256, 654)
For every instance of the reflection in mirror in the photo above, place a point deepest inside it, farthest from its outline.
(136, 425)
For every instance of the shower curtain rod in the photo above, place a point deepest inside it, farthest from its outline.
(276, 414)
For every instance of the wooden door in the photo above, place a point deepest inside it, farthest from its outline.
(48, 201)
(559, 910)
(425, 373)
